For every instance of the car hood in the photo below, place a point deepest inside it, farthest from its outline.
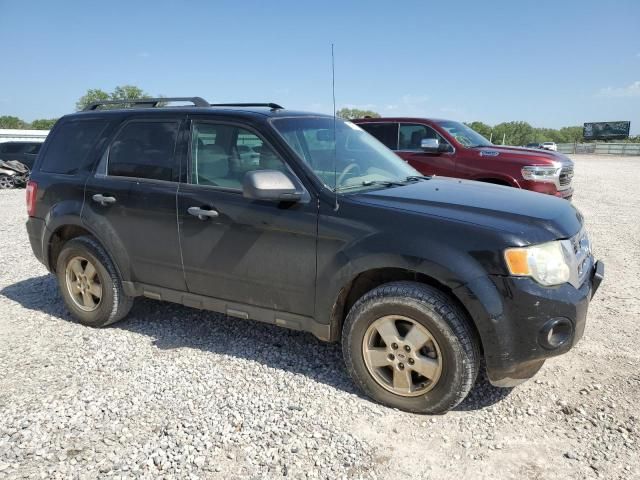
(528, 217)
(525, 156)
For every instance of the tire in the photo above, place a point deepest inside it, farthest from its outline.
(452, 345)
(6, 182)
(110, 302)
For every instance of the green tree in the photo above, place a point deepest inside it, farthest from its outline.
(514, 133)
(128, 92)
(351, 113)
(572, 134)
(120, 93)
(7, 121)
(93, 95)
(43, 123)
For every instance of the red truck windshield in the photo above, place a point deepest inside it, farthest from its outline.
(464, 135)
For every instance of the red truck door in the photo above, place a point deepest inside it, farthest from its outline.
(441, 163)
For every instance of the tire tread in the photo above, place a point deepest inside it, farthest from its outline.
(121, 303)
(432, 298)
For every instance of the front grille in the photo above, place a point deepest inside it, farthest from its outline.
(581, 259)
(566, 174)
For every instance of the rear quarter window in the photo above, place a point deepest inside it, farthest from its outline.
(69, 148)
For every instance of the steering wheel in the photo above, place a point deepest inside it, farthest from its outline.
(347, 170)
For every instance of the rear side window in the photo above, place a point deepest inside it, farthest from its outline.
(32, 148)
(12, 148)
(387, 133)
(69, 148)
(20, 148)
(145, 150)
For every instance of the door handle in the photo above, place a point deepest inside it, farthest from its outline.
(103, 200)
(201, 213)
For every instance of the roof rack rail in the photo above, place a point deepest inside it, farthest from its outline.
(272, 106)
(148, 102)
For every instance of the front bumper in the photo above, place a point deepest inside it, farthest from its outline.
(549, 188)
(522, 323)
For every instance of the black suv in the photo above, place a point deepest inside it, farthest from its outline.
(322, 229)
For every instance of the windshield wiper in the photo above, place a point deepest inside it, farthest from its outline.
(386, 183)
(413, 178)
(369, 183)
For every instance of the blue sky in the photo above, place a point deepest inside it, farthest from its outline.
(551, 63)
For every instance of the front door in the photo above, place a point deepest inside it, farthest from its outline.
(251, 252)
(437, 163)
(131, 201)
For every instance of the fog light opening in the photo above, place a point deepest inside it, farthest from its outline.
(556, 333)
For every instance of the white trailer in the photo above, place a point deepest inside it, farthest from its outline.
(13, 135)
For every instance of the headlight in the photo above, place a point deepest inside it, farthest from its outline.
(546, 263)
(539, 173)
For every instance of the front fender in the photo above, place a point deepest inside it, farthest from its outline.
(440, 262)
(482, 177)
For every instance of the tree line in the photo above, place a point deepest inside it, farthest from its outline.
(511, 133)
(120, 93)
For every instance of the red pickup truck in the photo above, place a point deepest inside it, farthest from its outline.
(451, 149)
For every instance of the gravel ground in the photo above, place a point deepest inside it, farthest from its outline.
(178, 393)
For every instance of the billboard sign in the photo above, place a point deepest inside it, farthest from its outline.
(606, 130)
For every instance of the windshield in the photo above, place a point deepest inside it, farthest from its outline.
(355, 160)
(464, 135)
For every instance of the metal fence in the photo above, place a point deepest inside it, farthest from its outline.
(601, 148)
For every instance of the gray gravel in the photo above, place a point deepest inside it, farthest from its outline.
(178, 393)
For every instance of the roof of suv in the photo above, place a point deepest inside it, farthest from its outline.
(244, 111)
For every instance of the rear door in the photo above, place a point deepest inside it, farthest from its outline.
(131, 200)
(428, 163)
(251, 252)
(385, 132)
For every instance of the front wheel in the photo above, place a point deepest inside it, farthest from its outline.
(410, 346)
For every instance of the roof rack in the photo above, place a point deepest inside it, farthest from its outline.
(272, 106)
(148, 102)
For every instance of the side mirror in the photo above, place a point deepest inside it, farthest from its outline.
(430, 145)
(270, 185)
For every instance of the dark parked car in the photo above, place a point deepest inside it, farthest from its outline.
(534, 145)
(25, 152)
(421, 279)
(452, 149)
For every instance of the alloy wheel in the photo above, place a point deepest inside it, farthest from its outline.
(402, 355)
(83, 284)
(6, 182)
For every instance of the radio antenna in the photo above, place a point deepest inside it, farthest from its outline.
(335, 144)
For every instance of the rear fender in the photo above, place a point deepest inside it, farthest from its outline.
(70, 213)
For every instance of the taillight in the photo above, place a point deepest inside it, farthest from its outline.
(32, 190)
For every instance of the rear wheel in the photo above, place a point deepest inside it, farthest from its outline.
(90, 284)
(409, 346)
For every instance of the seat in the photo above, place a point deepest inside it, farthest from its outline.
(212, 167)
(269, 160)
(416, 139)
